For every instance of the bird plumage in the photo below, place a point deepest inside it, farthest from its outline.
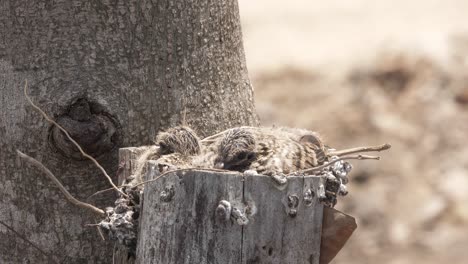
(179, 139)
(266, 150)
(286, 150)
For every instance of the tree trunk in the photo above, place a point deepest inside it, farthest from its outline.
(113, 73)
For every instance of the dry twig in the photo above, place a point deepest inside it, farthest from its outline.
(101, 234)
(52, 177)
(318, 168)
(71, 139)
(91, 225)
(187, 169)
(359, 150)
(358, 157)
(101, 191)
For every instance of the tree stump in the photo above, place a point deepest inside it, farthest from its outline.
(210, 217)
(200, 216)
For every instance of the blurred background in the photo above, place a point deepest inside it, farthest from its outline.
(366, 72)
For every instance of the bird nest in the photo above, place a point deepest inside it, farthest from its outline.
(264, 151)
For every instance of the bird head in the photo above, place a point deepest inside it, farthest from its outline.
(180, 139)
(236, 150)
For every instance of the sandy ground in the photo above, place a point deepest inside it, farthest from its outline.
(367, 72)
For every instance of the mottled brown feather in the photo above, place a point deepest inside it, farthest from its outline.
(266, 150)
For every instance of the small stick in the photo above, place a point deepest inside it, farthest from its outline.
(101, 191)
(358, 157)
(91, 225)
(187, 169)
(98, 227)
(29, 242)
(71, 139)
(52, 177)
(358, 150)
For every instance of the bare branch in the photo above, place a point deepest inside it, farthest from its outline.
(187, 169)
(98, 227)
(52, 177)
(359, 150)
(101, 191)
(318, 168)
(29, 242)
(358, 157)
(71, 139)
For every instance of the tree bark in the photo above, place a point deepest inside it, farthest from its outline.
(114, 73)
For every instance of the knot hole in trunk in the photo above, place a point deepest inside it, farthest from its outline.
(90, 125)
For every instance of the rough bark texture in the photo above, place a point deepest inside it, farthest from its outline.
(184, 227)
(115, 72)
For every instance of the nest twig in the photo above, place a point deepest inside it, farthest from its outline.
(358, 157)
(52, 177)
(359, 150)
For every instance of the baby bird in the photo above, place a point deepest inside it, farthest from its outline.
(179, 139)
(236, 151)
(177, 148)
(270, 151)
